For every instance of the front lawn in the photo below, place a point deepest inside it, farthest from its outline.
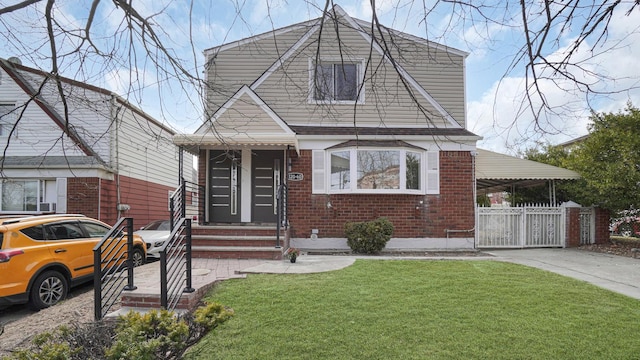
(422, 310)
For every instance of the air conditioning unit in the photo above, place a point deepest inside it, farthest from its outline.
(48, 207)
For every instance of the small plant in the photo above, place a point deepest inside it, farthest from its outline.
(292, 254)
(211, 315)
(368, 237)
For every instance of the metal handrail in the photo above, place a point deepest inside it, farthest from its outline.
(109, 264)
(175, 265)
(185, 201)
(282, 218)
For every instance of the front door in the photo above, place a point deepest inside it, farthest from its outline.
(267, 176)
(224, 186)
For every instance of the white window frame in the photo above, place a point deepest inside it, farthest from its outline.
(337, 60)
(353, 172)
(40, 195)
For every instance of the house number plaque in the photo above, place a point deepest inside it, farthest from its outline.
(295, 176)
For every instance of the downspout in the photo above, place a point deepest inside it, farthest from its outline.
(114, 119)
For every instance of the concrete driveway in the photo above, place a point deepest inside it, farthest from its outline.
(615, 273)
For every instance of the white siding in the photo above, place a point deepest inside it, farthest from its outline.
(145, 150)
(37, 134)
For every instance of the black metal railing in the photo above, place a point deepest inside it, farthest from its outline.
(185, 201)
(175, 265)
(112, 257)
(282, 221)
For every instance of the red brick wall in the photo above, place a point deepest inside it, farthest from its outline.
(83, 196)
(573, 227)
(148, 201)
(602, 226)
(411, 215)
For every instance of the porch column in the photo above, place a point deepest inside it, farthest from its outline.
(245, 185)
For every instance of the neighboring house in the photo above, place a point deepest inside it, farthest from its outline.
(357, 126)
(110, 159)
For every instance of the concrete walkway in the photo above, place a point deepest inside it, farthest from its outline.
(616, 273)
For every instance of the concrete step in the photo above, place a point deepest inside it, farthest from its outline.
(237, 252)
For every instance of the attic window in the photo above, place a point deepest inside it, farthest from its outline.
(336, 82)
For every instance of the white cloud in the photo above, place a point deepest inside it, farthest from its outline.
(503, 116)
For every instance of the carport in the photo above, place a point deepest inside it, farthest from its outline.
(525, 226)
(497, 172)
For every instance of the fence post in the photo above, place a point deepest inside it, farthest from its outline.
(189, 288)
(572, 230)
(130, 285)
(97, 284)
(163, 279)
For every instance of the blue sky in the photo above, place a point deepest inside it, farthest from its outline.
(494, 94)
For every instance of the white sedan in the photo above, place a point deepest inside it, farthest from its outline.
(154, 235)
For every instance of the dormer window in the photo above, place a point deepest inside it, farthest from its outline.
(336, 82)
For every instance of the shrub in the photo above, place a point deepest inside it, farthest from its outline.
(368, 237)
(211, 315)
(154, 335)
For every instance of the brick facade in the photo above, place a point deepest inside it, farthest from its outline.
(602, 226)
(413, 216)
(97, 198)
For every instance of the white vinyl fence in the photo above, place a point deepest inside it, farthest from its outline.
(520, 227)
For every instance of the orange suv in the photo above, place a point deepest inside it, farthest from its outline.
(41, 257)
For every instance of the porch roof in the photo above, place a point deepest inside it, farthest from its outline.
(194, 142)
(497, 172)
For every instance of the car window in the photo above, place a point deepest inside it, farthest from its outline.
(34, 232)
(95, 230)
(158, 225)
(164, 226)
(64, 231)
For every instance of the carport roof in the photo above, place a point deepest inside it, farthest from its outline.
(497, 172)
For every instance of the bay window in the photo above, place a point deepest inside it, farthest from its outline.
(374, 170)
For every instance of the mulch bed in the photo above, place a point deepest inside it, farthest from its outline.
(628, 247)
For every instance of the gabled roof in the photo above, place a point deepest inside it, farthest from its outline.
(18, 73)
(495, 171)
(259, 125)
(315, 26)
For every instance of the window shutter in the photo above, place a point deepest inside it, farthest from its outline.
(61, 195)
(433, 172)
(318, 177)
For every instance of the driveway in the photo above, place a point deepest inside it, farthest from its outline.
(615, 273)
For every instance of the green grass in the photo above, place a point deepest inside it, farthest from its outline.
(422, 310)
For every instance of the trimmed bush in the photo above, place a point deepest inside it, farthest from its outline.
(368, 237)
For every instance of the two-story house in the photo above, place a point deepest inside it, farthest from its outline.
(109, 159)
(359, 121)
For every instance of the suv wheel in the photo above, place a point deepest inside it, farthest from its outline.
(138, 257)
(49, 289)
